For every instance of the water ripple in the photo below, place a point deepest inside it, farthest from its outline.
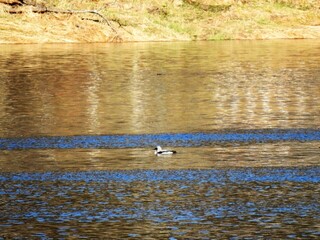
(221, 176)
(147, 140)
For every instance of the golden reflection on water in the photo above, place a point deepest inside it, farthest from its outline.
(159, 87)
(285, 154)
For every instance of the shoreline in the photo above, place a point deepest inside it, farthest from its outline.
(156, 41)
(159, 21)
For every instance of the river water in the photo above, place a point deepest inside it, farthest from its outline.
(78, 123)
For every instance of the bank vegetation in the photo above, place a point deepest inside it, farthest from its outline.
(48, 21)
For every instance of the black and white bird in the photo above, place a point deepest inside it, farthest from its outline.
(159, 151)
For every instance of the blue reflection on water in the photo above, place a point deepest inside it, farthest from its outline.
(147, 140)
(308, 174)
(167, 200)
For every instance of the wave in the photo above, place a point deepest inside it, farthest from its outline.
(171, 139)
(221, 176)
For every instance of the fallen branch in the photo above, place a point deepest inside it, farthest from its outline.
(81, 11)
(12, 2)
(42, 9)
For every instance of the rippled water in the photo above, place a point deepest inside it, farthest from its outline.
(248, 203)
(78, 124)
(158, 87)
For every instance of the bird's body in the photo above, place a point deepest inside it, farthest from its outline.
(159, 151)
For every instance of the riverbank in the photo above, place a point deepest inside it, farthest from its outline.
(64, 21)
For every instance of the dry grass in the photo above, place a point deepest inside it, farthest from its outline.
(137, 20)
(32, 27)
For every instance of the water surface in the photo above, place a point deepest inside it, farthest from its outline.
(139, 88)
(78, 124)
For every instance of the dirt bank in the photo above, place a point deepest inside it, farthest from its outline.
(30, 21)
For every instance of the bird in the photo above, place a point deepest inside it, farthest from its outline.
(159, 151)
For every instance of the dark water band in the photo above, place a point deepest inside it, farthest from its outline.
(219, 176)
(168, 139)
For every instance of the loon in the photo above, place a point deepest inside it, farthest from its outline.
(159, 151)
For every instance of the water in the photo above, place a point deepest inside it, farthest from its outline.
(78, 124)
(237, 203)
(158, 87)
